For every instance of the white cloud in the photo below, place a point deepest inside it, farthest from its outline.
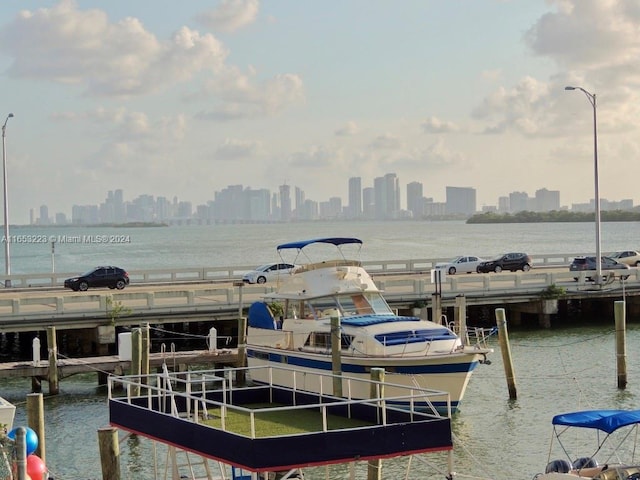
(234, 149)
(67, 45)
(386, 141)
(347, 130)
(435, 125)
(230, 15)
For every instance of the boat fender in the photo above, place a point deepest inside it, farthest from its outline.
(584, 462)
(559, 466)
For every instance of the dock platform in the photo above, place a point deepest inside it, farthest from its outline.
(113, 364)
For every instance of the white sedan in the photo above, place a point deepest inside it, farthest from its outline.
(630, 257)
(461, 264)
(268, 272)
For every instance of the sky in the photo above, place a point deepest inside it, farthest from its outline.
(182, 99)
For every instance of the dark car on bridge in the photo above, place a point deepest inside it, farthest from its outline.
(506, 261)
(111, 277)
(580, 264)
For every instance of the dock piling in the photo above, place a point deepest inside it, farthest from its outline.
(503, 338)
(35, 421)
(621, 343)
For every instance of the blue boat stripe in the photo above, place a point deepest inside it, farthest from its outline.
(292, 360)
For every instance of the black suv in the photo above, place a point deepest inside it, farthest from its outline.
(589, 263)
(112, 277)
(506, 261)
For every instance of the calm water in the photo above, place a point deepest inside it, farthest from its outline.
(239, 245)
(556, 371)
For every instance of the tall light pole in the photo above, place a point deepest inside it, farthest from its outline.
(7, 259)
(592, 100)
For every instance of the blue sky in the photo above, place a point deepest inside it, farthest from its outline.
(181, 99)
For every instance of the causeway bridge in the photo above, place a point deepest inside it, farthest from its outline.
(36, 301)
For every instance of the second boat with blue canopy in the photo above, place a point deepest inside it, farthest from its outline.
(613, 436)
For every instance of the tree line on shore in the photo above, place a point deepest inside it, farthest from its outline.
(526, 216)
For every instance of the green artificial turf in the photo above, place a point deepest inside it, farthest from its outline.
(278, 422)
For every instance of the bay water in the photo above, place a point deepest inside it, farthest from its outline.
(555, 370)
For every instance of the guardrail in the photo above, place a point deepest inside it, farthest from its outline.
(176, 301)
(213, 274)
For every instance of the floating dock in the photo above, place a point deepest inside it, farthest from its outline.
(265, 428)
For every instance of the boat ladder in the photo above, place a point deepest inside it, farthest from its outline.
(196, 467)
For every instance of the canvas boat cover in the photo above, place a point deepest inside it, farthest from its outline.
(606, 420)
(337, 241)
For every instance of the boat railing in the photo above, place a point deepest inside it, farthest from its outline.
(194, 395)
(329, 263)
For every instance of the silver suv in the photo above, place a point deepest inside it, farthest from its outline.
(589, 263)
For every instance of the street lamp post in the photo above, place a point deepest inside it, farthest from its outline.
(592, 100)
(7, 259)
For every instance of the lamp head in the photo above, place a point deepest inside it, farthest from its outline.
(569, 88)
(10, 115)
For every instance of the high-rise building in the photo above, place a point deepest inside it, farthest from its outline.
(547, 200)
(461, 200)
(387, 197)
(355, 197)
(285, 203)
(518, 202)
(415, 199)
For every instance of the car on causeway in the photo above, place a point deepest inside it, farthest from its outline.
(581, 263)
(105, 276)
(268, 272)
(506, 261)
(630, 257)
(460, 264)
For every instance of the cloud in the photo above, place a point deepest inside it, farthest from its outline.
(241, 98)
(523, 108)
(435, 125)
(588, 33)
(230, 15)
(233, 149)
(386, 141)
(347, 130)
(80, 47)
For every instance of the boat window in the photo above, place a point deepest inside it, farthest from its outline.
(323, 340)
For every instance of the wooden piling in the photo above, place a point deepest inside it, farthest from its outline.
(460, 318)
(54, 386)
(242, 350)
(35, 421)
(374, 467)
(503, 338)
(621, 343)
(144, 352)
(336, 360)
(136, 356)
(109, 453)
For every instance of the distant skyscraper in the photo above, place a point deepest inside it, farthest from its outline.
(285, 203)
(461, 200)
(518, 202)
(355, 197)
(387, 197)
(415, 199)
(547, 200)
(299, 200)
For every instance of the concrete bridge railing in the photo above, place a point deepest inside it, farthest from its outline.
(193, 298)
(224, 274)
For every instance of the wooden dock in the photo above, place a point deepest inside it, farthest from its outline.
(112, 364)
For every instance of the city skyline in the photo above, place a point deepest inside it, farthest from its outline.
(379, 200)
(186, 98)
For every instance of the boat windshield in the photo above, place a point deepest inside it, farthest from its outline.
(364, 304)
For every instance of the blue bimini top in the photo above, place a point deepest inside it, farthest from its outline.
(606, 420)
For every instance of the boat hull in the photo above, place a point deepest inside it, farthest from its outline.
(447, 373)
